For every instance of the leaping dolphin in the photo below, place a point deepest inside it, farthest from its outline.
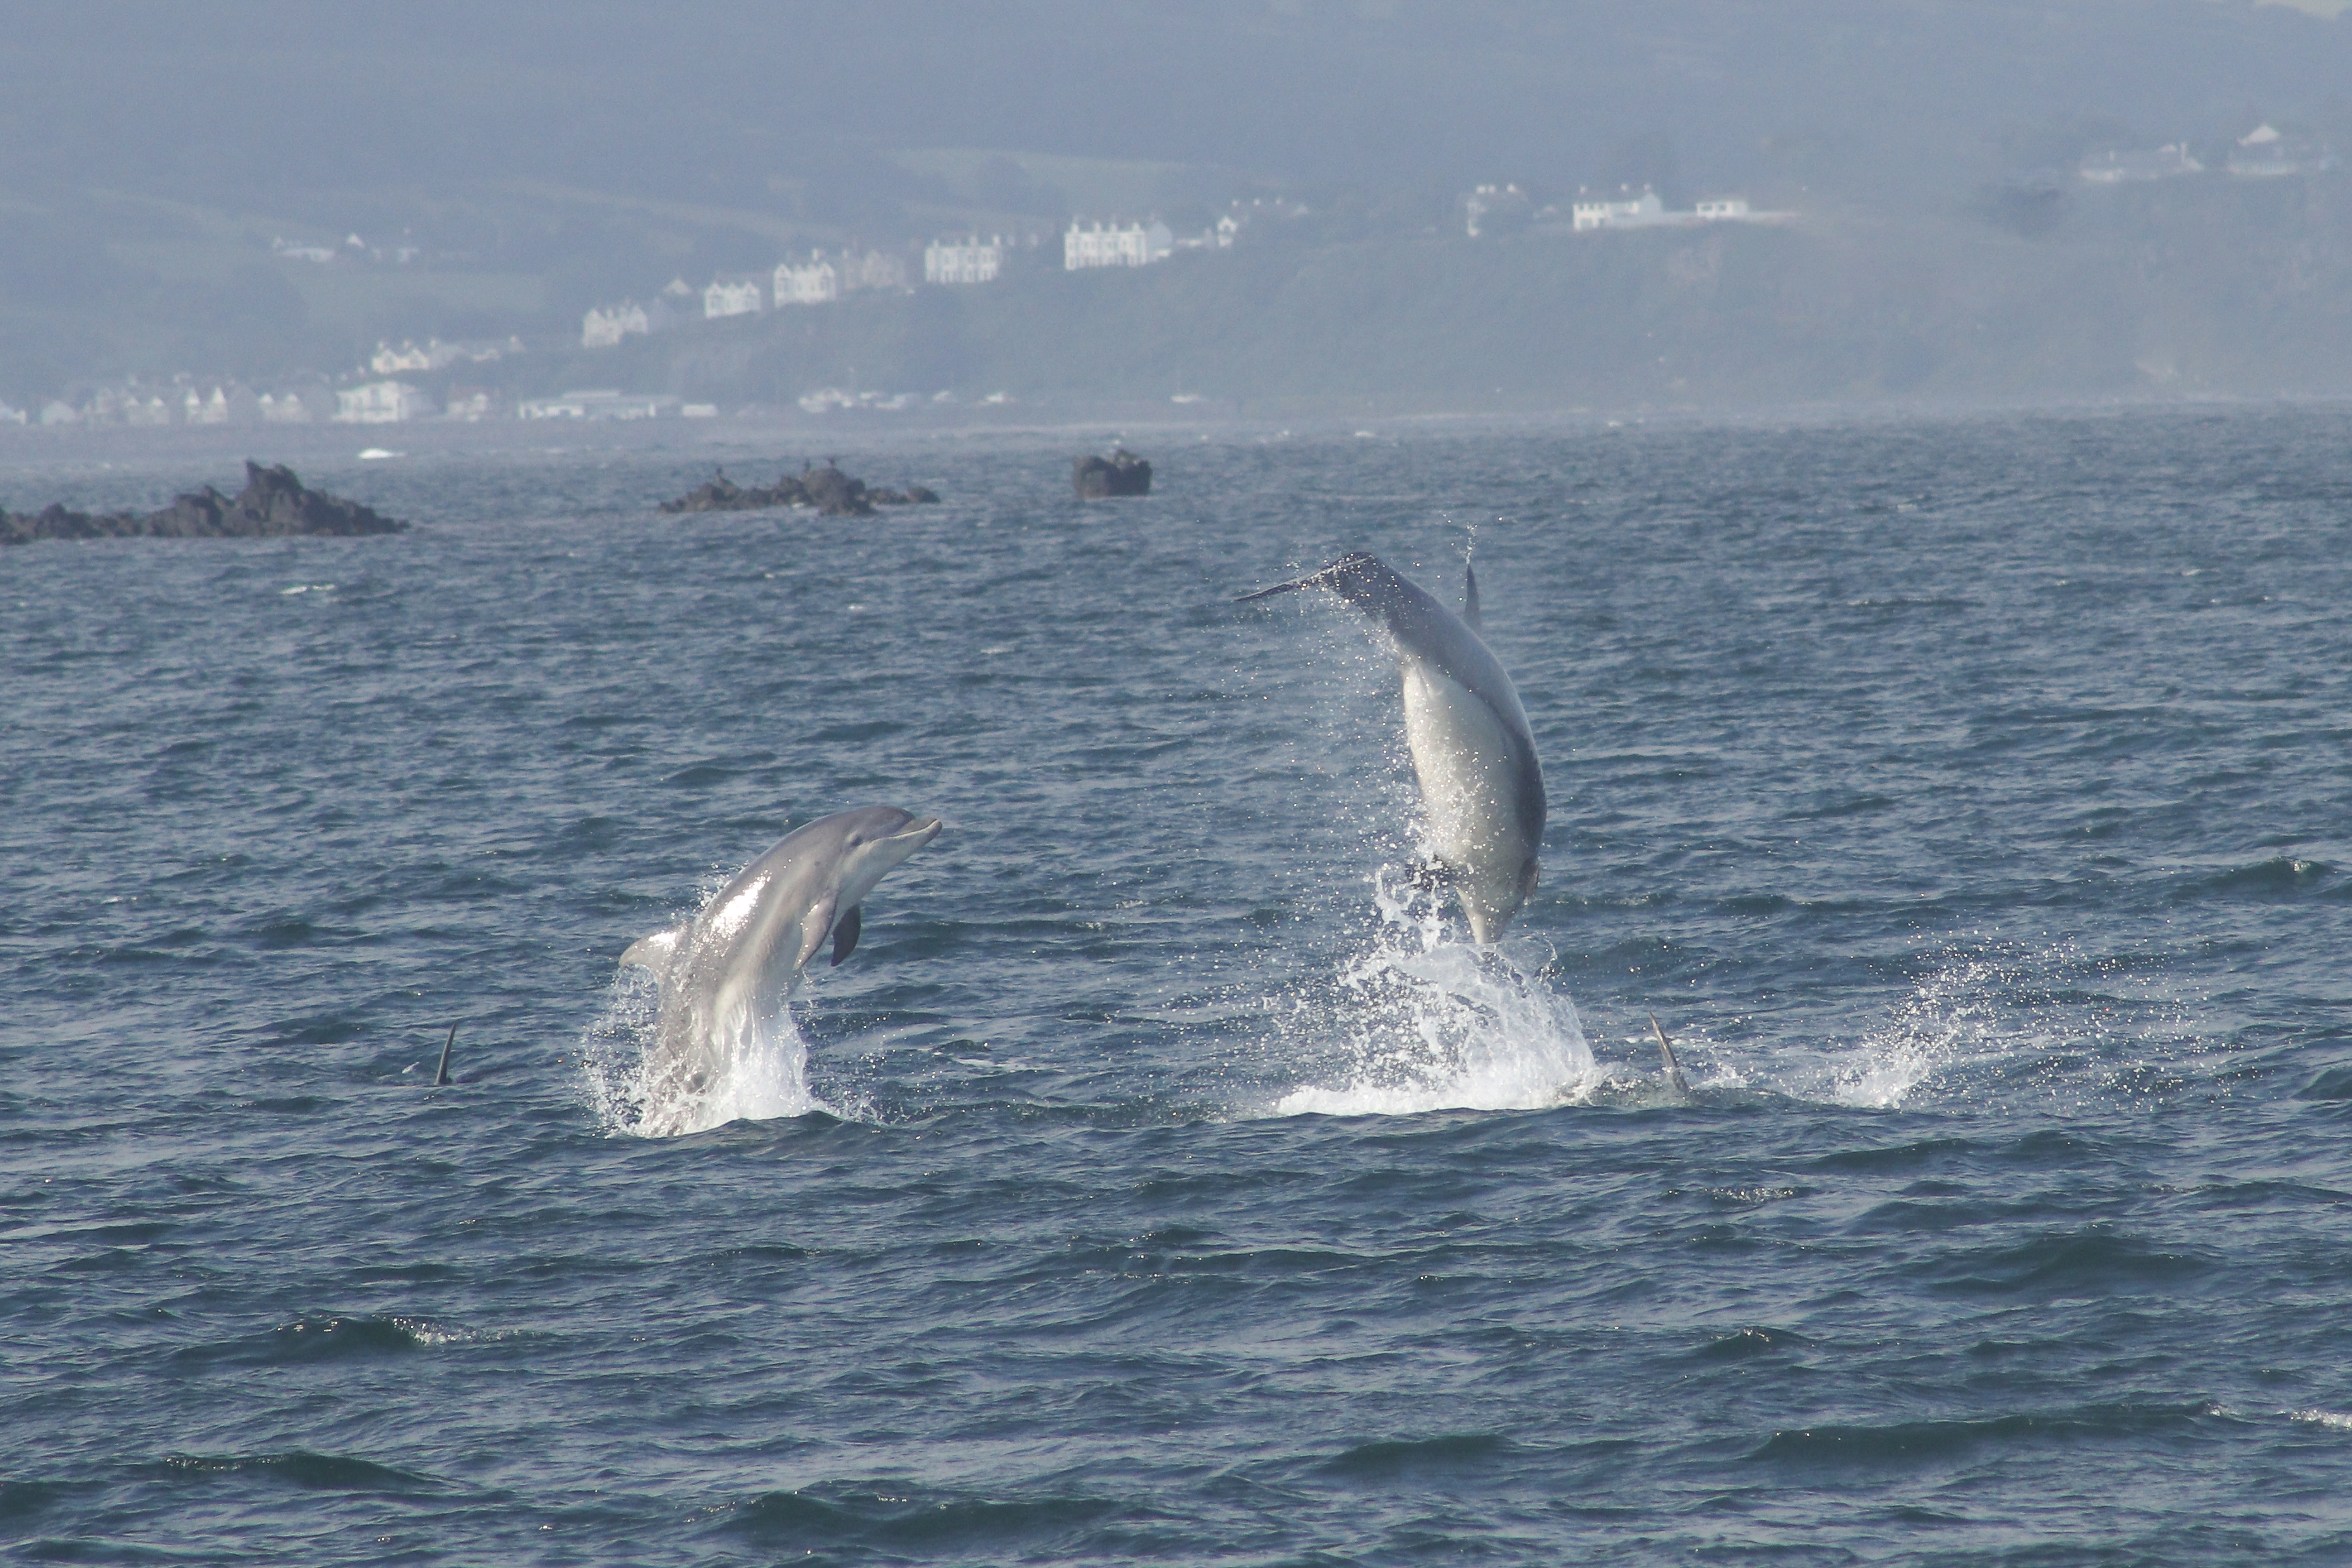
(730, 969)
(1470, 746)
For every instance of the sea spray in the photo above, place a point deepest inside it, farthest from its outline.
(753, 1069)
(1419, 1021)
(1992, 1023)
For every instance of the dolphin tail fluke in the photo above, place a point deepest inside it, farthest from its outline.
(1312, 580)
(1278, 588)
(1666, 1054)
(844, 933)
(652, 952)
(441, 1073)
(1470, 598)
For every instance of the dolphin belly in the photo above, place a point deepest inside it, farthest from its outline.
(1474, 783)
(1461, 754)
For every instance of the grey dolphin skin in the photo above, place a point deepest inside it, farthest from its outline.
(728, 970)
(1470, 746)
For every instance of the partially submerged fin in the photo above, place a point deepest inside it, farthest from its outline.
(441, 1073)
(1666, 1054)
(1470, 598)
(653, 952)
(844, 933)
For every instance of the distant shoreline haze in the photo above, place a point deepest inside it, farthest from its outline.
(428, 171)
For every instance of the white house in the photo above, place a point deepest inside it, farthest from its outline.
(606, 326)
(809, 282)
(733, 296)
(1486, 205)
(2116, 168)
(963, 260)
(596, 404)
(1135, 245)
(1625, 212)
(381, 402)
(471, 405)
(286, 409)
(199, 409)
(2266, 153)
(872, 270)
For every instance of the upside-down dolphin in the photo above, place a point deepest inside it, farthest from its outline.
(1472, 750)
(728, 971)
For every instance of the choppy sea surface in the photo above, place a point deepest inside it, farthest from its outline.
(1162, 1178)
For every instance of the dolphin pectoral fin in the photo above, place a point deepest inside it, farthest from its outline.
(652, 952)
(1470, 598)
(1667, 1054)
(844, 933)
(813, 926)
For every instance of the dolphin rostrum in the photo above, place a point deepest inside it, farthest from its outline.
(1470, 746)
(728, 971)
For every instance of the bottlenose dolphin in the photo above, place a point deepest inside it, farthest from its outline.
(726, 972)
(1472, 750)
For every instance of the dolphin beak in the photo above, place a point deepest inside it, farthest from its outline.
(921, 833)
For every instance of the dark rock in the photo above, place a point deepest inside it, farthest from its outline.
(273, 505)
(1120, 473)
(828, 489)
(836, 494)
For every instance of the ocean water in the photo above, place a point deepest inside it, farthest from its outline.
(1162, 1178)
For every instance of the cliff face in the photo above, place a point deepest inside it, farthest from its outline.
(274, 504)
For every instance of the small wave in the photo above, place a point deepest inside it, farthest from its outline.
(1748, 1343)
(2280, 877)
(2333, 1420)
(1913, 1442)
(2335, 1083)
(1397, 1459)
(309, 1471)
(918, 1520)
(1428, 1024)
(2092, 1262)
(329, 1337)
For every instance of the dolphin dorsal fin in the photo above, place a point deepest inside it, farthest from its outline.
(1673, 1070)
(1470, 598)
(844, 933)
(652, 952)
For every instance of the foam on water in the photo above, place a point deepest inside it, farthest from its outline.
(1422, 1023)
(1992, 1024)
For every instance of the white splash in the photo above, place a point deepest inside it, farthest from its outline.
(1424, 1023)
(2334, 1420)
(753, 1069)
(1952, 1018)
(1992, 1023)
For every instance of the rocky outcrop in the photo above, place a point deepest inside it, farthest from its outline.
(274, 504)
(1120, 473)
(828, 489)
